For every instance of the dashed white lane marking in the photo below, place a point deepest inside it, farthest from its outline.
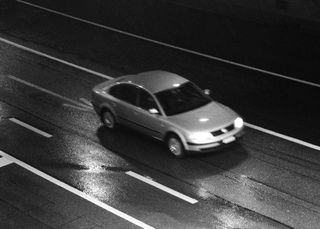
(306, 144)
(27, 126)
(48, 92)
(4, 161)
(76, 191)
(162, 187)
(173, 46)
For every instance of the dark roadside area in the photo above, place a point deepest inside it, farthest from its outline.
(275, 40)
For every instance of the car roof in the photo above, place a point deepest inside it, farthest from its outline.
(155, 81)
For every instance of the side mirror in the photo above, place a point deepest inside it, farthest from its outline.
(207, 91)
(153, 111)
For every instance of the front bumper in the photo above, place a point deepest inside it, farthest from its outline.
(228, 140)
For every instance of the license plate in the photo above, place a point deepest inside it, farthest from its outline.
(229, 139)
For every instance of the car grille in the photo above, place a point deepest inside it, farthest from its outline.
(223, 130)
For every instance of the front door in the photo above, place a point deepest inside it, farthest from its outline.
(148, 116)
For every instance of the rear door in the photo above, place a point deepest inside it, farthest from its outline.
(125, 103)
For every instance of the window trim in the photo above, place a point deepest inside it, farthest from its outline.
(158, 107)
(161, 111)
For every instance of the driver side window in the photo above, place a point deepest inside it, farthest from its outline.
(146, 101)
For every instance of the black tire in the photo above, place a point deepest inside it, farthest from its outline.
(108, 119)
(175, 146)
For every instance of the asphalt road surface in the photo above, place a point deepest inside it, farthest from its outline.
(271, 179)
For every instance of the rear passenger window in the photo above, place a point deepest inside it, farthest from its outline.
(125, 92)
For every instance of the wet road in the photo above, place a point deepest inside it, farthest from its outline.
(263, 182)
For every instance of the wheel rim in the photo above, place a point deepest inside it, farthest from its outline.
(108, 120)
(175, 146)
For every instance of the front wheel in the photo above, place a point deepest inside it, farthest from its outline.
(175, 146)
(108, 119)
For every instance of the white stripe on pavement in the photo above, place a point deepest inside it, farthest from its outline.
(162, 187)
(306, 144)
(48, 92)
(173, 46)
(53, 58)
(4, 161)
(76, 191)
(85, 101)
(27, 126)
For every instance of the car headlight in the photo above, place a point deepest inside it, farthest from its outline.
(201, 138)
(238, 122)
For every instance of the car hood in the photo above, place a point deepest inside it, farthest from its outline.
(206, 118)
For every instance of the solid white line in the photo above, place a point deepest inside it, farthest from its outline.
(48, 92)
(85, 101)
(76, 107)
(307, 144)
(25, 125)
(173, 46)
(54, 58)
(162, 187)
(4, 161)
(76, 191)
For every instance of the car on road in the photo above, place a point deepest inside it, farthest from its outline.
(167, 107)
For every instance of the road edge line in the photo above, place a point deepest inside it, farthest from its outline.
(54, 58)
(75, 191)
(4, 161)
(172, 46)
(288, 138)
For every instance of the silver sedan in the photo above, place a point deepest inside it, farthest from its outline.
(167, 107)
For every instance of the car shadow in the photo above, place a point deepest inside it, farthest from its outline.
(145, 152)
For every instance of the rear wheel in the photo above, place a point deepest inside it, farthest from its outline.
(108, 119)
(175, 146)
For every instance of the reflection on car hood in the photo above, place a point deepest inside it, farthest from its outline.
(206, 118)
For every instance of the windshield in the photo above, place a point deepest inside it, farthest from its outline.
(181, 99)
